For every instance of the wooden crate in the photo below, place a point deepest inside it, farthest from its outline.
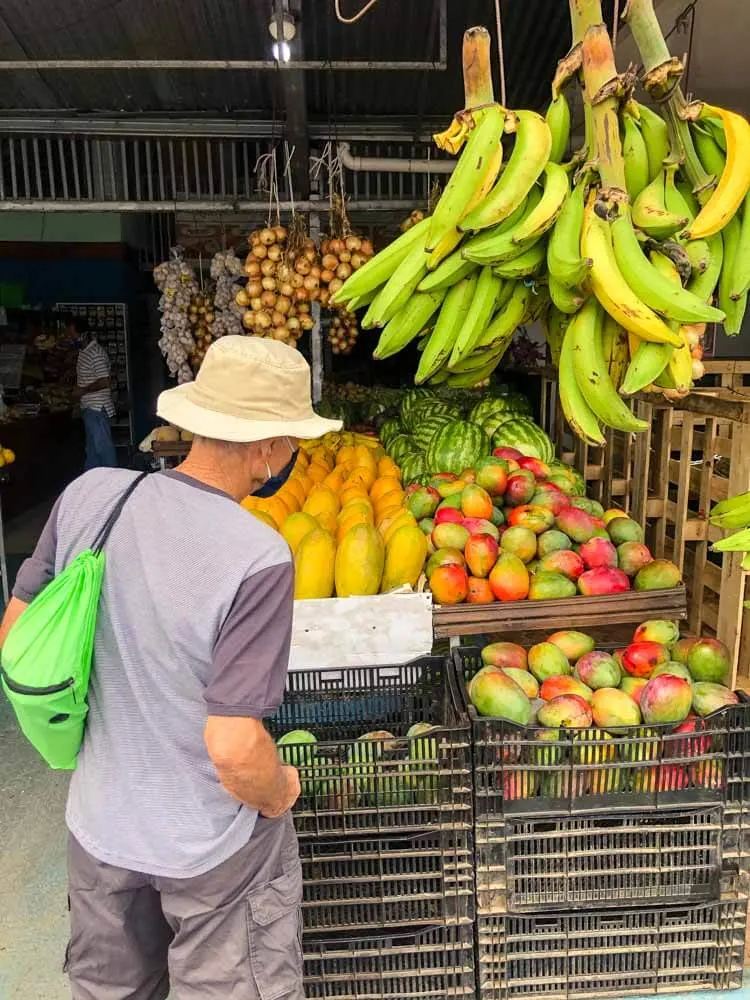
(695, 452)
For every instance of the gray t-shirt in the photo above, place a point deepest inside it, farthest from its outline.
(195, 618)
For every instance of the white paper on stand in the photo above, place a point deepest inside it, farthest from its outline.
(361, 631)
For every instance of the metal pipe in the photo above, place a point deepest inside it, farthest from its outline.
(261, 207)
(45, 65)
(391, 165)
(370, 129)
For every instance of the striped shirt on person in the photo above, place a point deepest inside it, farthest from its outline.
(93, 364)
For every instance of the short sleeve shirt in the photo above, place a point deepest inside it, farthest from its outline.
(194, 619)
(93, 364)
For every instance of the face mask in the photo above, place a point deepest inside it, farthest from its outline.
(274, 483)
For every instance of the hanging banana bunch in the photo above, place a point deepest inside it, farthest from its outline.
(624, 249)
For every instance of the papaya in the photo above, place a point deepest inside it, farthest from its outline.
(335, 480)
(405, 553)
(387, 469)
(295, 486)
(295, 527)
(405, 517)
(382, 486)
(349, 493)
(265, 517)
(327, 522)
(355, 515)
(314, 564)
(346, 455)
(321, 500)
(317, 472)
(365, 457)
(362, 475)
(359, 562)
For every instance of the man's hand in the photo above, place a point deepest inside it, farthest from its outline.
(291, 794)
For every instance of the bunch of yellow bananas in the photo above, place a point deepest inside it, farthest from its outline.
(618, 252)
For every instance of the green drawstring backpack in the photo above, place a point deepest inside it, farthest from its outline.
(45, 663)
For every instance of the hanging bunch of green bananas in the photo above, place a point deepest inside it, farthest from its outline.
(733, 514)
(624, 253)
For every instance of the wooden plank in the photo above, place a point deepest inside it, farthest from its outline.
(726, 367)
(607, 472)
(663, 420)
(633, 606)
(641, 460)
(732, 578)
(722, 444)
(683, 489)
(700, 551)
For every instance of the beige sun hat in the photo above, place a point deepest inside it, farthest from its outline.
(247, 389)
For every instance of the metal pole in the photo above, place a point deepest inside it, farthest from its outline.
(60, 205)
(361, 65)
(3, 561)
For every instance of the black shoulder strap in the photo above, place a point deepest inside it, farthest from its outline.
(111, 521)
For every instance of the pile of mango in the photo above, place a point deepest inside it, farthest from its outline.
(342, 514)
(642, 704)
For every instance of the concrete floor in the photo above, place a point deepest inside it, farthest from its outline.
(33, 902)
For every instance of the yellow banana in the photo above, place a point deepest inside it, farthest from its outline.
(656, 138)
(558, 121)
(564, 260)
(407, 324)
(474, 175)
(480, 310)
(650, 285)
(734, 183)
(398, 289)
(615, 346)
(529, 157)
(650, 212)
(547, 211)
(577, 411)
(635, 155)
(591, 371)
(444, 249)
(452, 316)
(379, 268)
(448, 273)
(611, 288)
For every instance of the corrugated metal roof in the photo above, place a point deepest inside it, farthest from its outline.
(536, 35)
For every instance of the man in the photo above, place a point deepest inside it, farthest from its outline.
(94, 389)
(183, 861)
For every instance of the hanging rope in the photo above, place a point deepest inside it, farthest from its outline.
(500, 51)
(288, 154)
(352, 20)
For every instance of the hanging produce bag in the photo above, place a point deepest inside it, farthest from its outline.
(45, 664)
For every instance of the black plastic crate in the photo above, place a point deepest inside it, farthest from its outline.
(390, 881)
(390, 784)
(600, 954)
(416, 964)
(599, 861)
(642, 769)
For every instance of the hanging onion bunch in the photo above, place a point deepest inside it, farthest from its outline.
(340, 258)
(176, 281)
(226, 270)
(201, 314)
(283, 279)
(342, 331)
(412, 219)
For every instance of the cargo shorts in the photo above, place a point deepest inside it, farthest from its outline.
(235, 931)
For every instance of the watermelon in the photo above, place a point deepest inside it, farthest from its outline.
(490, 412)
(524, 434)
(389, 428)
(428, 425)
(414, 468)
(411, 400)
(401, 446)
(457, 446)
(428, 408)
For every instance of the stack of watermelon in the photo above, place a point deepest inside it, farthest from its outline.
(431, 434)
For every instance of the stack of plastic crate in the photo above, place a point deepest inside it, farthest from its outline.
(608, 863)
(386, 831)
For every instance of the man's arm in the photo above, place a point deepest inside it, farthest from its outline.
(95, 386)
(248, 764)
(251, 659)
